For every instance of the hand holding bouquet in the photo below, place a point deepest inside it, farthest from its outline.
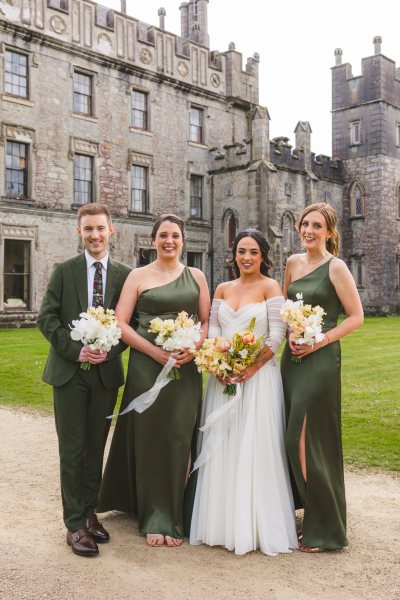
(304, 321)
(226, 358)
(176, 334)
(97, 329)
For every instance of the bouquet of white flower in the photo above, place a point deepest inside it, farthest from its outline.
(97, 329)
(176, 334)
(304, 321)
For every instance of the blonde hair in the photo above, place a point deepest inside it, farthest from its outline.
(329, 213)
(92, 208)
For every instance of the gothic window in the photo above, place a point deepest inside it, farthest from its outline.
(83, 93)
(195, 259)
(355, 132)
(356, 201)
(83, 179)
(287, 233)
(230, 234)
(357, 270)
(16, 74)
(17, 275)
(139, 110)
(196, 125)
(139, 189)
(196, 197)
(17, 169)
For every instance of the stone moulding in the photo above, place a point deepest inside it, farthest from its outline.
(18, 232)
(79, 145)
(17, 133)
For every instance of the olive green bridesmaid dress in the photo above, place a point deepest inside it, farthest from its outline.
(148, 460)
(312, 389)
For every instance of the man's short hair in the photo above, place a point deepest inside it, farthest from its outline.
(92, 208)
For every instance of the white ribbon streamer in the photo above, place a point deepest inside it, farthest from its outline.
(219, 428)
(145, 400)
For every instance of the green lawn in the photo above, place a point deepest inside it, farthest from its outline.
(371, 386)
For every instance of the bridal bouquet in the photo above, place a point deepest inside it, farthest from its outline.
(97, 329)
(304, 321)
(176, 334)
(225, 357)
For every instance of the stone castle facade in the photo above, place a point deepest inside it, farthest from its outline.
(98, 106)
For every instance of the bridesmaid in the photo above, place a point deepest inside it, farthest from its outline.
(312, 387)
(150, 454)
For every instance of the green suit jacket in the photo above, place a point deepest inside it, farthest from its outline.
(66, 297)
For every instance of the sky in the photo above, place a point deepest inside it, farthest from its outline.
(296, 43)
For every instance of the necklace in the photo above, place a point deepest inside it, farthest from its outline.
(315, 262)
(166, 270)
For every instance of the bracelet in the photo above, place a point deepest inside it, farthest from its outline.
(327, 337)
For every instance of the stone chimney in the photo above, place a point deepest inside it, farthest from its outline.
(260, 147)
(303, 141)
(338, 56)
(123, 7)
(194, 21)
(161, 13)
(377, 44)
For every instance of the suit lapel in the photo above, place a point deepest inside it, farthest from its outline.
(80, 276)
(112, 277)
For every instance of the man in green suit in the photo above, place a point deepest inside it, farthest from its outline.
(82, 398)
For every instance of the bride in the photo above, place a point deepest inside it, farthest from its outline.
(243, 496)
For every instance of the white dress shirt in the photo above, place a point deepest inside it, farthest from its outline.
(91, 269)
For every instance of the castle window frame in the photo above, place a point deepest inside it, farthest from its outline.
(140, 110)
(355, 133)
(17, 181)
(357, 270)
(288, 229)
(83, 93)
(196, 197)
(139, 189)
(16, 73)
(17, 279)
(83, 179)
(196, 124)
(357, 203)
(195, 259)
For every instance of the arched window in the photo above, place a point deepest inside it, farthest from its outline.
(230, 230)
(356, 200)
(287, 228)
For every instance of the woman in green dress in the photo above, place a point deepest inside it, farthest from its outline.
(312, 384)
(150, 454)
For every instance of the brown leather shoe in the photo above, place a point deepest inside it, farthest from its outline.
(82, 542)
(97, 530)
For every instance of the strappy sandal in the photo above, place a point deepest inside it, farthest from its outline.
(309, 550)
(173, 542)
(157, 538)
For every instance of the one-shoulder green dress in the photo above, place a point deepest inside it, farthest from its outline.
(148, 460)
(312, 389)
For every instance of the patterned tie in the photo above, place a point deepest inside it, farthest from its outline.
(98, 285)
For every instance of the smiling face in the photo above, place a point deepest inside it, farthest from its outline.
(168, 241)
(314, 231)
(248, 256)
(95, 231)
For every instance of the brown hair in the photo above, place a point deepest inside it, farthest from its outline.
(266, 263)
(168, 217)
(92, 208)
(329, 213)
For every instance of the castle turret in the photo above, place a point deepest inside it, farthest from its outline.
(366, 136)
(303, 141)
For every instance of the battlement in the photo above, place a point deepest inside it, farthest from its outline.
(110, 34)
(285, 156)
(379, 80)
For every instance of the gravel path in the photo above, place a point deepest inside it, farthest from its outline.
(35, 562)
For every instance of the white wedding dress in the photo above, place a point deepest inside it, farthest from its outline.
(243, 497)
